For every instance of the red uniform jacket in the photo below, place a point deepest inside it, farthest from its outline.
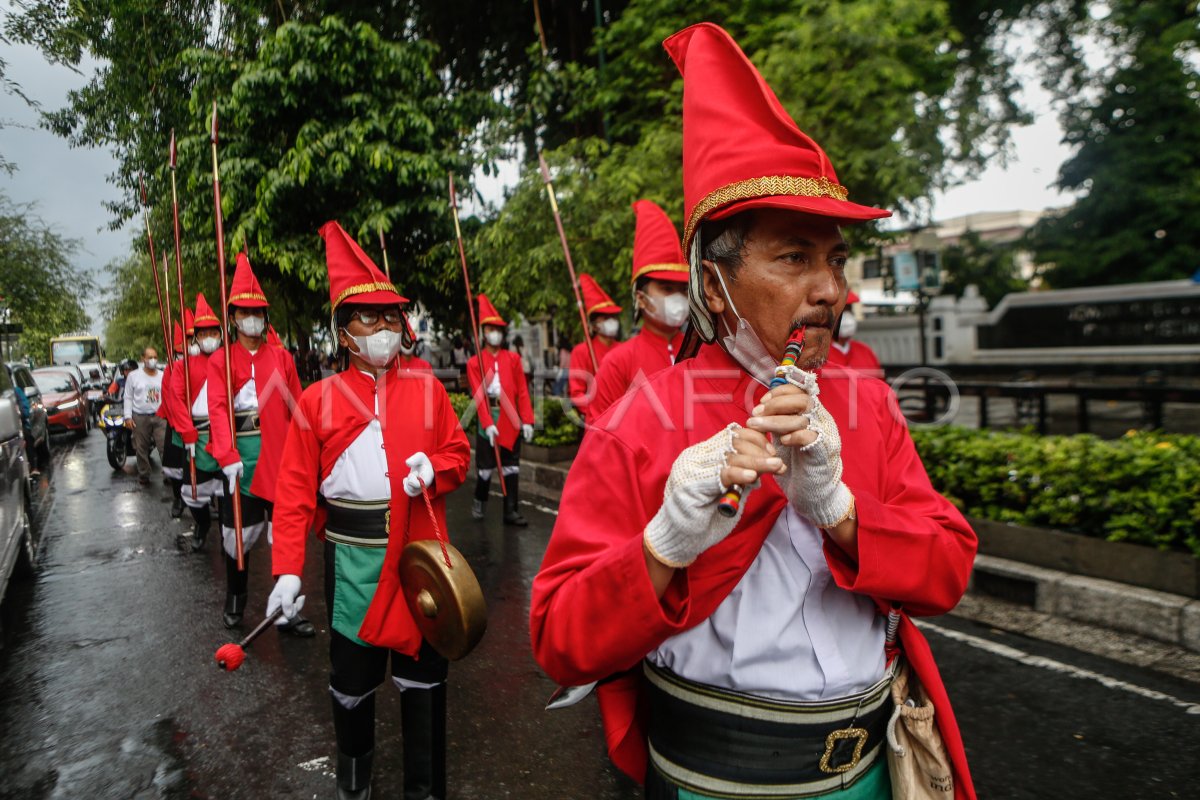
(163, 411)
(631, 361)
(580, 385)
(415, 415)
(179, 412)
(413, 364)
(914, 548)
(859, 357)
(515, 407)
(278, 388)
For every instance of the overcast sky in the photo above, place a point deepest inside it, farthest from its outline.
(70, 185)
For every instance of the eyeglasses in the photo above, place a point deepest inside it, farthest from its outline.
(370, 316)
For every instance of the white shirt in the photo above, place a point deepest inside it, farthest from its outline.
(143, 393)
(493, 388)
(247, 396)
(360, 472)
(200, 403)
(786, 631)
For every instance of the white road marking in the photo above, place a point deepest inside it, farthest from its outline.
(1020, 656)
(1029, 659)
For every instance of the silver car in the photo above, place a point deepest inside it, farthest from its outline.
(18, 540)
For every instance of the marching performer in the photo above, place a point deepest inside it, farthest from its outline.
(846, 352)
(191, 424)
(605, 327)
(745, 654)
(362, 445)
(505, 414)
(174, 458)
(265, 387)
(660, 276)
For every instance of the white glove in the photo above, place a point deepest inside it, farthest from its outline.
(233, 473)
(813, 480)
(492, 433)
(285, 594)
(527, 432)
(422, 472)
(688, 522)
(191, 449)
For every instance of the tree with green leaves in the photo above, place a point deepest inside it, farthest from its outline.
(39, 282)
(992, 267)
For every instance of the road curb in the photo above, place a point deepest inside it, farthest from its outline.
(1164, 617)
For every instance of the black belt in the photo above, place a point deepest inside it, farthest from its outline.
(247, 421)
(357, 523)
(200, 423)
(724, 744)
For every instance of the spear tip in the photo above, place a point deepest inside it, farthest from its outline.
(545, 169)
(213, 129)
(142, 184)
(453, 194)
(172, 148)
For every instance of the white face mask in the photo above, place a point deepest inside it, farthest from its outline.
(193, 349)
(494, 338)
(608, 327)
(849, 326)
(252, 326)
(671, 310)
(209, 344)
(379, 348)
(744, 346)
(151, 363)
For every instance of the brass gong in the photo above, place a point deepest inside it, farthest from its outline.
(446, 602)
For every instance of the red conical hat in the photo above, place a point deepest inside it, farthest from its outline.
(273, 337)
(851, 297)
(656, 250)
(488, 315)
(741, 150)
(245, 291)
(189, 322)
(352, 273)
(205, 316)
(177, 341)
(595, 301)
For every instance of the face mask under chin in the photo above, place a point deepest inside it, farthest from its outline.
(744, 346)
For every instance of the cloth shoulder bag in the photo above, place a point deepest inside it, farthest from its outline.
(916, 754)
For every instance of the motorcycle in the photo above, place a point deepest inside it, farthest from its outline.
(118, 439)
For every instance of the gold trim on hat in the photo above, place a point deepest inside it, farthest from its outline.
(210, 322)
(363, 288)
(659, 268)
(492, 321)
(605, 304)
(248, 296)
(766, 186)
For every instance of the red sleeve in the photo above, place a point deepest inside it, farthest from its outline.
(872, 361)
(481, 405)
(164, 393)
(594, 560)
(453, 453)
(220, 445)
(579, 377)
(524, 406)
(293, 380)
(179, 413)
(914, 547)
(611, 381)
(296, 489)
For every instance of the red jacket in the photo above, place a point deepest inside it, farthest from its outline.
(914, 548)
(515, 407)
(630, 362)
(859, 357)
(179, 412)
(580, 384)
(278, 388)
(416, 415)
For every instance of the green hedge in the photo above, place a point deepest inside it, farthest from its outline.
(555, 425)
(1142, 488)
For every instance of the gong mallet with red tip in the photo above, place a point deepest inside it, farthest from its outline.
(230, 656)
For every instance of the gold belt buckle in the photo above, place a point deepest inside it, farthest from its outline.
(831, 741)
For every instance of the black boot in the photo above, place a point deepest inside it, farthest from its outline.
(177, 504)
(424, 742)
(355, 732)
(512, 513)
(299, 627)
(236, 585)
(203, 519)
(479, 503)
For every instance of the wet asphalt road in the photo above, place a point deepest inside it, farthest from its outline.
(108, 687)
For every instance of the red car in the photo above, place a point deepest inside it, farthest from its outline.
(66, 403)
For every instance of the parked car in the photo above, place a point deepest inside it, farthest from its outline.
(65, 401)
(95, 383)
(19, 542)
(33, 415)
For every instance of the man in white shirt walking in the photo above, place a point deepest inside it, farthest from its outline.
(143, 394)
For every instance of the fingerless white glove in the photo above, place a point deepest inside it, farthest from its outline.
(813, 481)
(688, 522)
(421, 472)
(285, 595)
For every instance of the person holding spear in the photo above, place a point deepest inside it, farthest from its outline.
(587, 357)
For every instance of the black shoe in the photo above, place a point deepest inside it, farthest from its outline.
(354, 777)
(298, 627)
(199, 537)
(235, 606)
(177, 508)
(420, 729)
(203, 521)
(478, 507)
(512, 513)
